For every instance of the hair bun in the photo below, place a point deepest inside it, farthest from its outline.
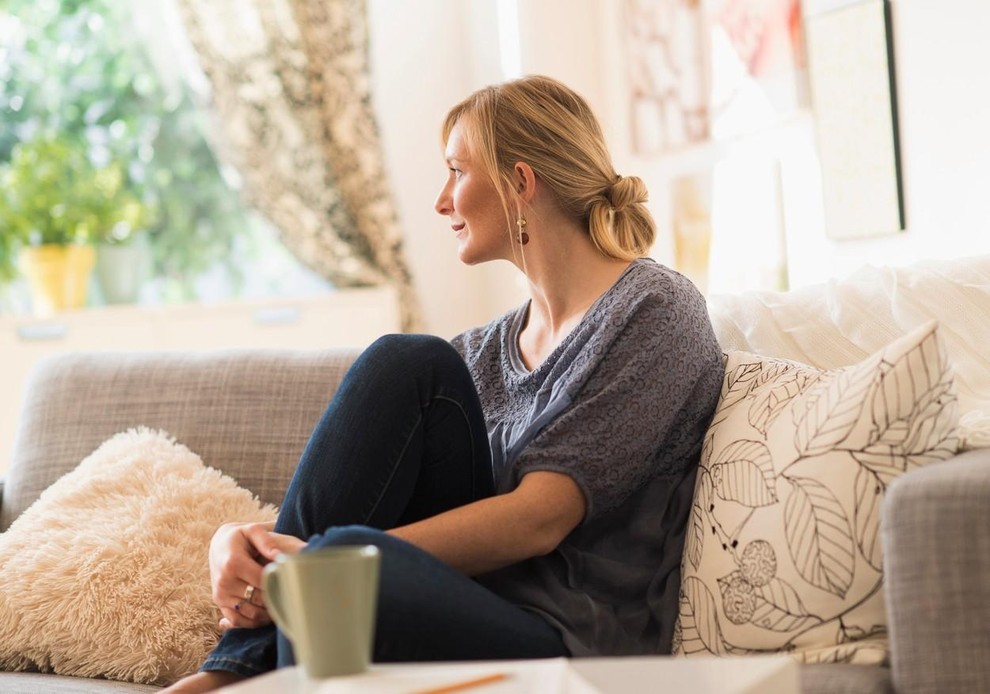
(627, 190)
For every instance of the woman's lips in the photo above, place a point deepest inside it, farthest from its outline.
(456, 227)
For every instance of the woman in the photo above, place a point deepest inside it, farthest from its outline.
(528, 485)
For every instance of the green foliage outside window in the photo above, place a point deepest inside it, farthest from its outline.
(76, 82)
(53, 193)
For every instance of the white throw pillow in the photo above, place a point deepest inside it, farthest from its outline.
(106, 574)
(783, 545)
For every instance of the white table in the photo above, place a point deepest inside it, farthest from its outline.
(701, 675)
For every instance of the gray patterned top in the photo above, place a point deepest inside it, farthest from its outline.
(621, 406)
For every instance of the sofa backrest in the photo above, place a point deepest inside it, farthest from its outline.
(842, 322)
(248, 413)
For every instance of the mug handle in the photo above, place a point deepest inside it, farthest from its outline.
(273, 596)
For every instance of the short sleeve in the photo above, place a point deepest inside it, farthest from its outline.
(642, 411)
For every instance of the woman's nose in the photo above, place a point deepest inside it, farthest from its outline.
(444, 205)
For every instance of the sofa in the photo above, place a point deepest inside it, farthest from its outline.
(249, 413)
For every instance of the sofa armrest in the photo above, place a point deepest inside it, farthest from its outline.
(937, 560)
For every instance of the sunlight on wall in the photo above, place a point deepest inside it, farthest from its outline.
(748, 250)
(508, 39)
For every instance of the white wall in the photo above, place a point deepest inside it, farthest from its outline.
(942, 54)
(429, 54)
(418, 70)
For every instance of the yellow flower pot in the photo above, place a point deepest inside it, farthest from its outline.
(58, 275)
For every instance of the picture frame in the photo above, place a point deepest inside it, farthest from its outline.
(725, 222)
(703, 70)
(758, 69)
(668, 74)
(854, 95)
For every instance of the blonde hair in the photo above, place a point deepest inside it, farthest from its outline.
(542, 122)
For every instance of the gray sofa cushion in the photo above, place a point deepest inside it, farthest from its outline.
(937, 554)
(839, 678)
(247, 413)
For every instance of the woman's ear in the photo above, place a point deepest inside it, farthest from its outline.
(524, 180)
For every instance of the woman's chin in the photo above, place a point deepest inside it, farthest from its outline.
(467, 256)
(475, 254)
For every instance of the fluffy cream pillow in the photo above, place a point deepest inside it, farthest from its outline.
(106, 574)
(783, 549)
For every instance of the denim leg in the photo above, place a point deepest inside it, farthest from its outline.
(245, 652)
(403, 438)
(428, 611)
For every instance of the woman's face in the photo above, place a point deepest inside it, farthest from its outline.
(470, 200)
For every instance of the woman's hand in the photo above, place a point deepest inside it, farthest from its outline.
(238, 553)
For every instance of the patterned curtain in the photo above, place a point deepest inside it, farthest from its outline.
(291, 91)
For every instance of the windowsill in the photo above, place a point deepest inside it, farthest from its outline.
(343, 319)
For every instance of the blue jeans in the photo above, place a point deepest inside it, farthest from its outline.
(403, 439)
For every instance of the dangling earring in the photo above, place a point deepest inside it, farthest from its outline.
(522, 236)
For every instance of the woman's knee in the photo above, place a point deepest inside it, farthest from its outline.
(347, 535)
(393, 356)
(414, 349)
(398, 557)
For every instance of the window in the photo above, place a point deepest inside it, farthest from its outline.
(77, 72)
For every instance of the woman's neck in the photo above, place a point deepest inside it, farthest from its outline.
(565, 278)
(561, 296)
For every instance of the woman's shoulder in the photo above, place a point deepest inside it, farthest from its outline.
(649, 271)
(649, 286)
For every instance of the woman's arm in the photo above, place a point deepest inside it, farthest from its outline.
(482, 536)
(501, 530)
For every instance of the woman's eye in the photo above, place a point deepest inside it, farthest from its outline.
(457, 172)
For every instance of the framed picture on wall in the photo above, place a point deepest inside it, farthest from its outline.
(759, 74)
(851, 59)
(726, 223)
(704, 69)
(691, 198)
(668, 74)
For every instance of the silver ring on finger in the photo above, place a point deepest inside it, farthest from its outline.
(248, 593)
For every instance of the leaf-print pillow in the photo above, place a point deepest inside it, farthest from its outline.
(783, 545)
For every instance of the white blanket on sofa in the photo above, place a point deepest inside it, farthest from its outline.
(842, 322)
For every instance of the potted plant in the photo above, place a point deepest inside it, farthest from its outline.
(56, 202)
(120, 221)
(123, 264)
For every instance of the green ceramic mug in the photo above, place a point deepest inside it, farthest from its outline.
(324, 601)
